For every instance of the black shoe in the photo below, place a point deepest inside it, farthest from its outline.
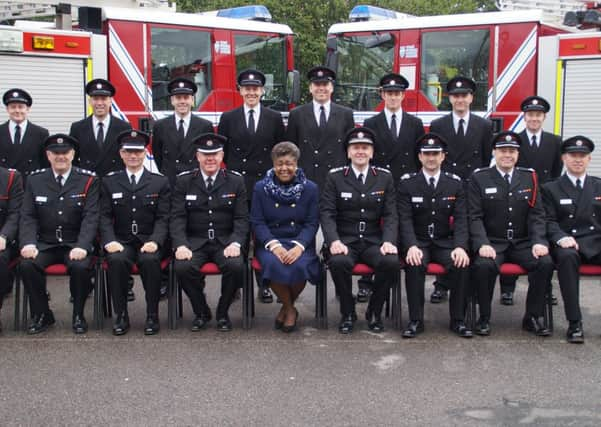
(483, 326)
(507, 298)
(121, 325)
(460, 328)
(80, 326)
(200, 322)
(575, 335)
(532, 324)
(346, 324)
(438, 295)
(413, 328)
(363, 295)
(289, 328)
(265, 295)
(374, 322)
(224, 324)
(40, 323)
(152, 326)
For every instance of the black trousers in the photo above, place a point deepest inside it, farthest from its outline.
(120, 265)
(189, 277)
(341, 266)
(568, 264)
(80, 272)
(457, 280)
(6, 276)
(485, 270)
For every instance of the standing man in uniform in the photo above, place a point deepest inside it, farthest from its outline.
(426, 201)
(209, 223)
(359, 221)
(97, 134)
(21, 142)
(469, 142)
(540, 151)
(507, 224)
(58, 225)
(252, 130)
(134, 223)
(11, 197)
(172, 136)
(573, 205)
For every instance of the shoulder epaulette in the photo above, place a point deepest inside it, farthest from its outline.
(155, 173)
(187, 172)
(11, 169)
(115, 172)
(407, 176)
(382, 169)
(452, 175)
(338, 169)
(84, 171)
(234, 172)
(37, 171)
(480, 170)
(521, 168)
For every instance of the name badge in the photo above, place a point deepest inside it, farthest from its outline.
(190, 196)
(417, 200)
(565, 201)
(345, 195)
(117, 195)
(492, 190)
(41, 198)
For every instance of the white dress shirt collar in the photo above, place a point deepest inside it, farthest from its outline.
(427, 176)
(138, 175)
(466, 120)
(573, 179)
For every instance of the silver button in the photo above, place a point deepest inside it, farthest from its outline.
(454, 164)
(433, 200)
(510, 209)
(210, 224)
(571, 216)
(511, 194)
(592, 227)
(133, 209)
(361, 236)
(177, 161)
(362, 195)
(60, 212)
(210, 212)
(244, 160)
(362, 210)
(210, 197)
(433, 212)
(574, 231)
(316, 151)
(291, 222)
(293, 205)
(243, 172)
(510, 224)
(277, 205)
(133, 197)
(316, 165)
(61, 198)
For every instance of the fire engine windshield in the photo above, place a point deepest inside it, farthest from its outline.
(266, 53)
(360, 62)
(179, 53)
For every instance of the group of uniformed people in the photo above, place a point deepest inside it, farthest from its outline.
(389, 192)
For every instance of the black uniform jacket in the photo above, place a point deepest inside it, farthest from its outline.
(137, 215)
(545, 160)
(53, 216)
(425, 215)
(353, 212)
(198, 215)
(92, 157)
(250, 154)
(11, 197)
(471, 152)
(501, 217)
(571, 213)
(171, 155)
(27, 156)
(396, 155)
(320, 150)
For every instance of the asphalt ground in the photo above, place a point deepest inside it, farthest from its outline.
(263, 377)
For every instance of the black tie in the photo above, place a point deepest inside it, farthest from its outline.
(59, 179)
(506, 176)
(360, 178)
(209, 183)
(432, 185)
(100, 134)
(322, 118)
(393, 127)
(180, 130)
(460, 129)
(579, 184)
(17, 139)
(534, 144)
(133, 180)
(251, 122)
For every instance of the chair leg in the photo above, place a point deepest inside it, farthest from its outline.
(98, 297)
(548, 313)
(17, 310)
(171, 299)
(396, 304)
(323, 285)
(247, 297)
(24, 310)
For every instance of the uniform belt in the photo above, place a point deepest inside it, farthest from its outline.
(59, 234)
(431, 230)
(509, 234)
(211, 233)
(362, 226)
(134, 228)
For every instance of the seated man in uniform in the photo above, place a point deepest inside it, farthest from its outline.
(209, 223)
(359, 221)
(134, 222)
(573, 205)
(58, 225)
(507, 224)
(427, 200)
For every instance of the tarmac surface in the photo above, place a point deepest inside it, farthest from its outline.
(307, 378)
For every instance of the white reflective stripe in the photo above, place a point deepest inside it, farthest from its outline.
(518, 124)
(116, 111)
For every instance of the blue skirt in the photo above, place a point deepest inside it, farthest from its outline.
(306, 267)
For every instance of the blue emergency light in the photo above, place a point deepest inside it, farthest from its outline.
(364, 12)
(253, 13)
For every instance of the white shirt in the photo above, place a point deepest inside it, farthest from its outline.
(466, 121)
(65, 176)
(105, 125)
(317, 110)
(12, 128)
(138, 175)
(186, 120)
(573, 179)
(510, 173)
(256, 114)
(399, 119)
(538, 135)
(357, 172)
(428, 176)
(205, 177)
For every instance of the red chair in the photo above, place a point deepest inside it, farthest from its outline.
(175, 300)
(321, 294)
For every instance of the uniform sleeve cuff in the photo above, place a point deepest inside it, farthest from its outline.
(296, 242)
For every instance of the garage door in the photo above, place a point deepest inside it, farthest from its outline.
(55, 84)
(581, 105)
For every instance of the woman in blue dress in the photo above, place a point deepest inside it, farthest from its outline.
(285, 217)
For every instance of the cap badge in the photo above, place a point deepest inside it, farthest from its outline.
(535, 102)
(209, 143)
(59, 140)
(360, 135)
(459, 84)
(392, 82)
(181, 84)
(579, 143)
(134, 134)
(15, 94)
(98, 85)
(508, 138)
(251, 76)
(320, 74)
(430, 141)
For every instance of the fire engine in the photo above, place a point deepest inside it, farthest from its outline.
(510, 54)
(140, 50)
